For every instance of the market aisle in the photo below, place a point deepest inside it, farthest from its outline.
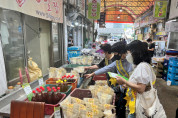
(168, 96)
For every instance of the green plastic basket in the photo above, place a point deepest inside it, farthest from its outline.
(67, 92)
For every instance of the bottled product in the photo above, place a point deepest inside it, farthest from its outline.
(34, 96)
(44, 95)
(58, 92)
(49, 97)
(40, 99)
(56, 98)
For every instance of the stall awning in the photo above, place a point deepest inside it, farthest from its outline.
(127, 10)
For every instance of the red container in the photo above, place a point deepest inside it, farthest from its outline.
(81, 93)
(100, 77)
(49, 108)
(53, 81)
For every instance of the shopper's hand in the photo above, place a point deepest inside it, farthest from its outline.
(124, 86)
(88, 76)
(86, 68)
(120, 80)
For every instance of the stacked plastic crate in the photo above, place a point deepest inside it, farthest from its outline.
(173, 71)
(165, 69)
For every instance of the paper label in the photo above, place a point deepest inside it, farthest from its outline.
(114, 75)
(57, 112)
(40, 81)
(28, 90)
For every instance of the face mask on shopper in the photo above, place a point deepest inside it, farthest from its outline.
(129, 58)
(117, 57)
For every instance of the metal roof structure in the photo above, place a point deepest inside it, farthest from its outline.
(126, 10)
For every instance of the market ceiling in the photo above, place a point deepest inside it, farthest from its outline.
(131, 9)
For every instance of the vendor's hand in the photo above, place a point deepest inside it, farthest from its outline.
(120, 80)
(88, 76)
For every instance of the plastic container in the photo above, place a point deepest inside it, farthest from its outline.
(81, 93)
(100, 77)
(172, 76)
(49, 108)
(85, 93)
(73, 84)
(173, 69)
(73, 51)
(51, 80)
(65, 92)
(173, 61)
(79, 82)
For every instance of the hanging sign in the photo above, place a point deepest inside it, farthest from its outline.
(82, 6)
(45, 9)
(94, 9)
(102, 20)
(173, 9)
(160, 9)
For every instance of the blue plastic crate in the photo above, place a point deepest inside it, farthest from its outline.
(80, 82)
(173, 69)
(173, 82)
(173, 61)
(172, 76)
(74, 48)
(73, 54)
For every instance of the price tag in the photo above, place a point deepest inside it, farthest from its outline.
(40, 81)
(57, 112)
(28, 90)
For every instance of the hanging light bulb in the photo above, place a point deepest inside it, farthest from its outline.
(76, 23)
(118, 17)
(120, 10)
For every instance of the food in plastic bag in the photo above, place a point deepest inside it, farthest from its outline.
(75, 73)
(92, 114)
(91, 100)
(108, 114)
(71, 110)
(108, 107)
(104, 98)
(52, 72)
(34, 71)
(77, 100)
(101, 82)
(56, 72)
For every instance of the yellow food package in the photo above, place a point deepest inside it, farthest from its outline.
(77, 100)
(34, 71)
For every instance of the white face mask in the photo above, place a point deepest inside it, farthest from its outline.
(129, 58)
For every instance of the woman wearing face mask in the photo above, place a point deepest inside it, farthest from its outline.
(109, 57)
(123, 67)
(141, 77)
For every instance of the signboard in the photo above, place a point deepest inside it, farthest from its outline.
(45, 9)
(148, 19)
(102, 20)
(82, 6)
(160, 9)
(171, 27)
(173, 9)
(94, 9)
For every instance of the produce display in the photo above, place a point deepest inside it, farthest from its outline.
(51, 96)
(99, 106)
(82, 60)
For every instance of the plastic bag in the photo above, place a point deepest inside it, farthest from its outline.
(34, 71)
